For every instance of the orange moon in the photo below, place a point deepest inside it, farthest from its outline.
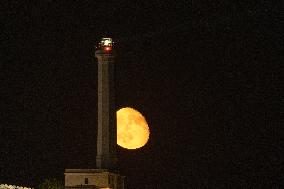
(132, 128)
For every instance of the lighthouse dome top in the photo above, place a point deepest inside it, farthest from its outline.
(107, 41)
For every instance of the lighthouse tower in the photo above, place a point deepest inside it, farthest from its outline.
(105, 175)
(106, 140)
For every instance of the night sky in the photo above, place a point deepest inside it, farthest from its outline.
(205, 74)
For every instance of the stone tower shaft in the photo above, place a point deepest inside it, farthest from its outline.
(106, 138)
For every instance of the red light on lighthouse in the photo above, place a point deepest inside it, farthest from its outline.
(107, 48)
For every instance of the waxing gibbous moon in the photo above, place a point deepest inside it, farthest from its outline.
(132, 128)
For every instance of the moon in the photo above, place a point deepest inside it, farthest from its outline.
(132, 128)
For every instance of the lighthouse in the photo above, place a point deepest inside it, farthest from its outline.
(106, 138)
(106, 173)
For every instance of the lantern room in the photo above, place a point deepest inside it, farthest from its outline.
(106, 44)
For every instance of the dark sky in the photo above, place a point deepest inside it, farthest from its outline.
(205, 74)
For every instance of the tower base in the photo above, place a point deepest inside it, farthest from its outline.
(93, 179)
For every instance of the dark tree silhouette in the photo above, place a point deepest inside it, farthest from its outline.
(51, 184)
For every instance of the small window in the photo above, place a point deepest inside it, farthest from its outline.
(86, 181)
